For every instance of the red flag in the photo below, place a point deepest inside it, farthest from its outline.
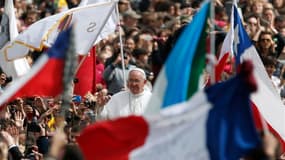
(86, 74)
(116, 138)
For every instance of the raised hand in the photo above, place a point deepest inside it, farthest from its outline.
(19, 119)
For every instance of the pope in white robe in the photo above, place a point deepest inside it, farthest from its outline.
(130, 102)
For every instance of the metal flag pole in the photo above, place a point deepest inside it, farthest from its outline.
(121, 47)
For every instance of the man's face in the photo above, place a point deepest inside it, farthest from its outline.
(136, 82)
(266, 41)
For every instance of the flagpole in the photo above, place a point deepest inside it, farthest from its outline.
(121, 47)
(211, 57)
(68, 76)
(80, 63)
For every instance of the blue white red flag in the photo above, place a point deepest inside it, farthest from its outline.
(45, 77)
(266, 99)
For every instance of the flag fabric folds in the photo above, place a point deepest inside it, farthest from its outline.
(111, 23)
(86, 74)
(214, 124)
(89, 28)
(45, 77)
(20, 66)
(180, 76)
(266, 99)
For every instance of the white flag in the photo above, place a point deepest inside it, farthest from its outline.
(89, 28)
(110, 25)
(20, 66)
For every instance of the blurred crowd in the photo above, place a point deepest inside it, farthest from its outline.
(149, 30)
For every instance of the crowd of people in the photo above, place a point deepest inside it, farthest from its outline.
(149, 30)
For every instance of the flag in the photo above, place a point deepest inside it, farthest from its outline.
(214, 124)
(111, 23)
(266, 99)
(17, 67)
(226, 51)
(180, 76)
(89, 28)
(86, 74)
(45, 77)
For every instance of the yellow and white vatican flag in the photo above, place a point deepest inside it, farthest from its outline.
(89, 28)
(8, 33)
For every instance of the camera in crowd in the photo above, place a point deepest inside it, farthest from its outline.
(88, 103)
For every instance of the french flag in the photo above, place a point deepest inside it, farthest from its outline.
(45, 77)
(215, 123)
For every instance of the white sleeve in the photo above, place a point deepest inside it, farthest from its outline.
(106, 111)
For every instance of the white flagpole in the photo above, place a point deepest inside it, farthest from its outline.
(121, 47)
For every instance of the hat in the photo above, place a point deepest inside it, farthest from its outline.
(139, 70)
(131, 13)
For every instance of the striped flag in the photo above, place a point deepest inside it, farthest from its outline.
(266, 99)
(181, 75)
(45, 78)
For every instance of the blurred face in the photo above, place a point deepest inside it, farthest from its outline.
(73, 136)
(31, 18)
(269, 15)
(270, 69)
(2, 79)
(143, 58)
(29, 112)
(278, 3)
(136, 82)
(266, 41)
(257, 8)
(252, 24)
(130, 44)
(123, 6)
(146, 42)
(130, 22)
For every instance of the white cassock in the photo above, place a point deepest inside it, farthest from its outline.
(125, 103)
